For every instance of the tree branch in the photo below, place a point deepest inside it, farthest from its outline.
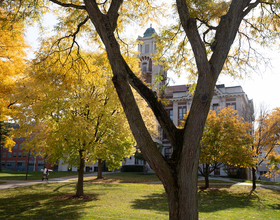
(68, 5)
(159, 111)
(113, 13)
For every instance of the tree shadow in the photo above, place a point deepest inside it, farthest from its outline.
(217, 199)
(155, 201)
(210, 200)
(60, 187)
(28, 203)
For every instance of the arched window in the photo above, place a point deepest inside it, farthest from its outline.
(144, 67)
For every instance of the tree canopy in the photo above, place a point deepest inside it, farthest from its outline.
(12, 59)
(267, 140)
(226, 140)
(70, 111)
(208, 35)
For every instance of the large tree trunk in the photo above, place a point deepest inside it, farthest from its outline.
(80, 184)
(99, 171)
(182, 199)
(254, 186)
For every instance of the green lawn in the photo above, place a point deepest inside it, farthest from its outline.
(132, 201)
(32, 175)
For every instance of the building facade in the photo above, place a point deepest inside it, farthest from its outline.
(179, 99)
(20, 160)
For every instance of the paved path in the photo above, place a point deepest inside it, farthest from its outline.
(231, 182)
(17, 183)
(14, 184)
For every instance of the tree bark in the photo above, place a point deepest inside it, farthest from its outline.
(28, 157)
(206, 177)
(254, 186)
(80, 184)
(99, 171)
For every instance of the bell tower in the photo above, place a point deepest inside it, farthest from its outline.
(146, 48)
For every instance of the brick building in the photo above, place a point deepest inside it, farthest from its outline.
(19, 160)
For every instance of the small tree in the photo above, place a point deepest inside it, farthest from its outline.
(226, 140)
(266, 139)
(73, 107)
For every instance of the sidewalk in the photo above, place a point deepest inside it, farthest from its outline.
(14, 184)
(238, 183)
(21, 183)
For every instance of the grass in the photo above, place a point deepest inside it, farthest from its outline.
(32, 175)
(132, 201)
(126, 177)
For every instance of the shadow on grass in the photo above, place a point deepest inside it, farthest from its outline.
(30, 203)
(65, 185)
(126, 177)
(216, 199)
(155, 201)
(210, 200)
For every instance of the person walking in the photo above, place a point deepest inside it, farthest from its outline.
(45, 174)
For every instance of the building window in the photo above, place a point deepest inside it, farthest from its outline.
(147, 48)
(140, 48)
(171, 114)
(182, 112)
(19, 154)
(139, 162)
(24, 155)
(164, 135)
(15, 147)
(9, 154)
(144, 67)
(15, 139)
(215, 107)
(20, 146)
(233, 105)
(20, 166)
(217, 171)
(10, 165)
(15, 154)
(167, 153)
(21, 138)
(4, 154)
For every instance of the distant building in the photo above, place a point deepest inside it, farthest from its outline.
(18, 159)
(179, 99)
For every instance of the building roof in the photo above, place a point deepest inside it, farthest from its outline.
(176, 88)
(149, 32)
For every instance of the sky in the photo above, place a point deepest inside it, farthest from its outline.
(262, 88)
